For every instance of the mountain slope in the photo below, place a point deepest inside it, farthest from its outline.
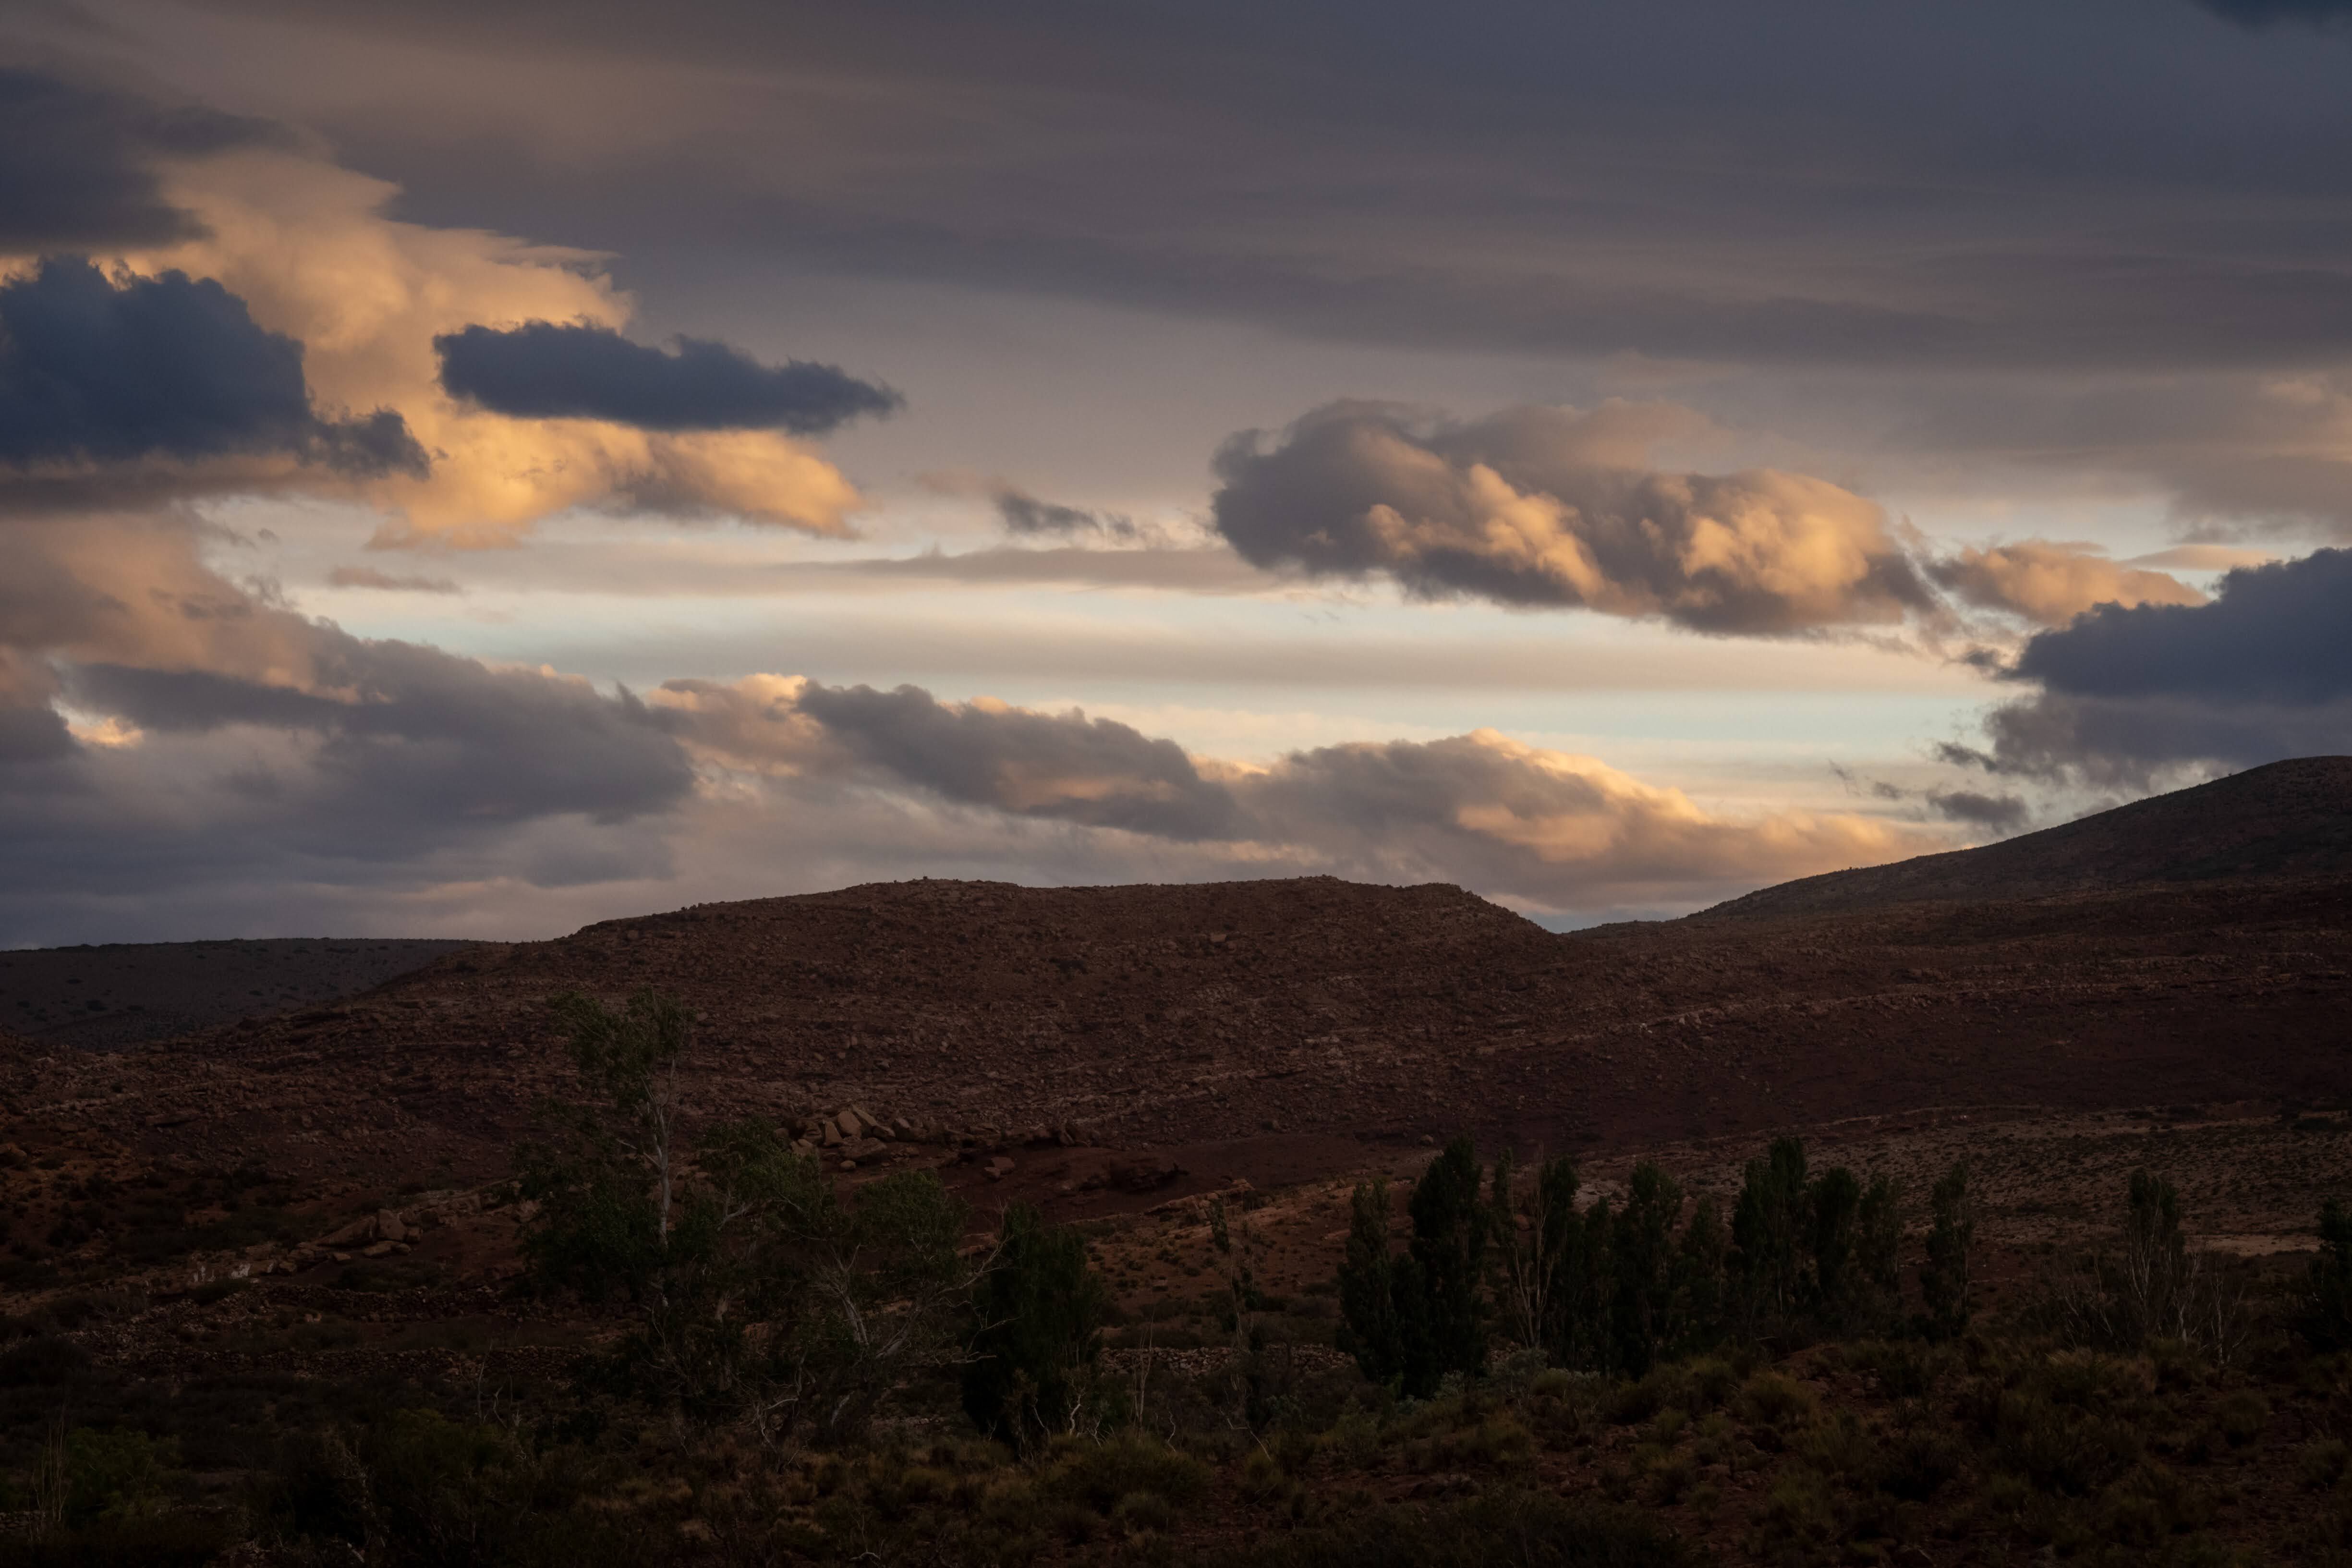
(2283, 820)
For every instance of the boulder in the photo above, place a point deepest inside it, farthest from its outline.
(388, 1226)
(359, 1233)
(846, 1124)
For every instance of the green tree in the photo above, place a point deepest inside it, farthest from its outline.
(1642, 1254)
(1769, 1227)
(2328, 1313)
(1697, 1319)
(1951, 1232)
(1038, 1314)
(1371, 1327)
(1834, 1200)
(1449, 1247)
(1878, 1254)
(603, 1168)
(757, 1295)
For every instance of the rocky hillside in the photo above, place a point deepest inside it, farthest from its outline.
(2288, 819)
(1272, 1030)
(104, 997)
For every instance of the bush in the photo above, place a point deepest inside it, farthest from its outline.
(1129, 1463)
(1503, 1530)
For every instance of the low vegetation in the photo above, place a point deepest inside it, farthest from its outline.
(720, 1355)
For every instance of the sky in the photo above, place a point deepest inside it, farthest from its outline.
(475, 470)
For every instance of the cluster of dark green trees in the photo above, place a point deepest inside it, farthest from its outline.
(756, 1295)
(1617, 1288)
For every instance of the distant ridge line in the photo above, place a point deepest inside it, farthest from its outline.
(2281, 820)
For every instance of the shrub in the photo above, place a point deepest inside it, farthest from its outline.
(1128, 1464)
(1501, 1530)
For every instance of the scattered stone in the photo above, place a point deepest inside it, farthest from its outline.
(999, 1168)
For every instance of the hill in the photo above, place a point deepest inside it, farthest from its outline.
(120, 993)
(1274, 1030)
(2283, 820)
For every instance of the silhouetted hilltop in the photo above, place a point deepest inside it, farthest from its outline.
(2287, 819)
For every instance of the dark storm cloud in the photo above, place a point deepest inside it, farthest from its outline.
(1820, 183)
(1552, 507)
(543, 371)
(414, 733)
(2264, 12)
(1064, 766)
(77, 163)
(2262, 672)
(169, 366)
(2272, 634)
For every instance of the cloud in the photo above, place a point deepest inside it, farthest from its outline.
(2051, 583)
(99, 372)
(1064, 766)
(1023, 513)
(308, 249)
(2260, 13)
(221, 743)
(78, 164)
(2002, 813)
(1550, 507)
(543, 371)
(2129, 694)
(1549, 828)
(390, 583)
(1684, 183)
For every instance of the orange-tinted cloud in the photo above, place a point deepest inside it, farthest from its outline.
(2050, 583)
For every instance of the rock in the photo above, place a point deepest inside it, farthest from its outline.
(829, 1133)
(378, 1249)
(803, 1147)
(356, 1234)
(388, 1225)
(846, 1124)
(904, 1129)
(999, 1168)
(849, 1164)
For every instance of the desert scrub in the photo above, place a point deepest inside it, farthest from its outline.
(1100, 1475)
(1772, 1405)
(1523, 1529)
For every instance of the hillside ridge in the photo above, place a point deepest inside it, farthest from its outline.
(2283, 820)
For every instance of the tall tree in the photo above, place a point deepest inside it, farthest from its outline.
(1642, 1255)
(1370, 1328)
(1951, 1234)
(1835, 1199)
(1038, 1314)
(1449, 1247)
(1769, 1227)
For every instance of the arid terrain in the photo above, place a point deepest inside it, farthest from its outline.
(315, 1184)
